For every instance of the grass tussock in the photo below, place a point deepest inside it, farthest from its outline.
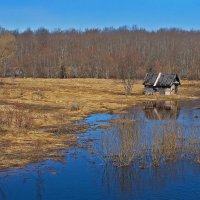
(16, 116)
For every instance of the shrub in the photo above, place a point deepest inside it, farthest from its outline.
(16, 116)
(74, 106)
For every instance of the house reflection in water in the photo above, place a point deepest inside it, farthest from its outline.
(161, 110)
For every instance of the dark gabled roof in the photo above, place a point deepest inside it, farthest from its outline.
(167, 80)
(161, 80)
(150, 79)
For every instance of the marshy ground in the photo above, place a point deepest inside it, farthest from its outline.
(38, 115)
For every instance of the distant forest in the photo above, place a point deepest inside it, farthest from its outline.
(94, 53)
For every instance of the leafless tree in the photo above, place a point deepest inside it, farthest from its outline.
(100, 53)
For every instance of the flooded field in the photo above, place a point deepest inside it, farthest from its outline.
(150, 152)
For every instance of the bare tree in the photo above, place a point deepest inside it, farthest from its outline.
(127, 74)
(7, 49)
(125, 53)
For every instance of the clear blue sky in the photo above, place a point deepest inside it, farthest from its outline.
(80, 14)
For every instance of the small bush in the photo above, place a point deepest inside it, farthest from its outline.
(74, 106)
(40, 93)
(16, 116)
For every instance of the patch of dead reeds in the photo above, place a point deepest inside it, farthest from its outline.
(20, 149)
(125, 144)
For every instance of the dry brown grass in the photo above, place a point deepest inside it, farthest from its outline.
(165, 143)
(52, 102)
(21, 148)
(77, 98)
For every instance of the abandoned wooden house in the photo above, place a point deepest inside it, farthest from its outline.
(165, 84)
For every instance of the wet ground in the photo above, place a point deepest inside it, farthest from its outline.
(94, 170)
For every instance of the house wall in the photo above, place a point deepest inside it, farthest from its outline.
(148, 91)
(162, 91)
(172, 90)
(168, 91)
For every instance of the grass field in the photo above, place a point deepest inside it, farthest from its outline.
(28, 107)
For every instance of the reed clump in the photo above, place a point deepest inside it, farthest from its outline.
(125, 144)
(165, 144)
(121, 143)
(16, 116)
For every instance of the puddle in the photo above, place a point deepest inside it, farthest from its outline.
(89, 170)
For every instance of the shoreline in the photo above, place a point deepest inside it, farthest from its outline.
(58, 102)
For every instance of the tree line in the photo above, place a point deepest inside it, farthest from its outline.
(107, 53)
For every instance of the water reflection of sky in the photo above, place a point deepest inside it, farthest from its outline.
(84, 176)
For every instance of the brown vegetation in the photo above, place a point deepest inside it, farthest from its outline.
(126, 144)
(99, 53)
(21, 147)
(54, 101)
(30, 107)
(121, 143)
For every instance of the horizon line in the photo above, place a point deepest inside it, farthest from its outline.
(101, 29)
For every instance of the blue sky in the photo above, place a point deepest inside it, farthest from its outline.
(80, 14)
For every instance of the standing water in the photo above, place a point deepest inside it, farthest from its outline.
(151, 152)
